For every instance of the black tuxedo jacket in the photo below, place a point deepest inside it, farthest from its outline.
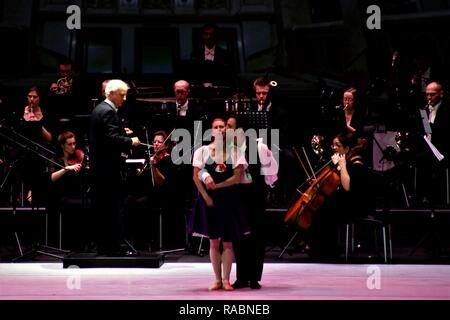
(440, 129)
(219, 71)
(107, 141)
(194, 111)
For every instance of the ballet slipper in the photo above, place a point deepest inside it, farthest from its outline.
(217, 285)
(227, 286)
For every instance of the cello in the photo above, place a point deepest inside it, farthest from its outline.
(323, 186)
(325, 182)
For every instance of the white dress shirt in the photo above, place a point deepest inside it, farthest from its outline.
(182, 109)
(209, 53)
(433, 111)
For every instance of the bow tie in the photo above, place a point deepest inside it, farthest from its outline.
(182, 107)
(209, 54)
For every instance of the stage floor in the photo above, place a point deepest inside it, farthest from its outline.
(190, 280)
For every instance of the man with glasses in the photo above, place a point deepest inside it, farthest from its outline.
(185, 107)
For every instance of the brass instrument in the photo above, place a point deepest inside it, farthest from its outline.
(317, 144)
(64, 86)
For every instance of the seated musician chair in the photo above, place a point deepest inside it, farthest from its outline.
(378, 225)
(74, 208)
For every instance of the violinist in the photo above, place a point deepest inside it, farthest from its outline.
(161, 158)
(156, 195)
(353, 196)
(69, 189)
(69, 157)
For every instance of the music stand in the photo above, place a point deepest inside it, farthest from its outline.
(288, 244)
(385, 152)
(36, 248)
(431, 234)
(14, 138)
(255, 119)
(11, 169)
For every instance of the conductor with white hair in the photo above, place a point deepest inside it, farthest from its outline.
(108, 141)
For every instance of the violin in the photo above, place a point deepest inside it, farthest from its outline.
(158, 155)
(77, 158)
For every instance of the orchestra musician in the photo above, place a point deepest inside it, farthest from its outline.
(33, 125)
(432, 172)
(155, 194)
(352, 198)
(212, 64)
(185, 108)
(107, 142)
(349, 117)
(65, 97)
(63, 85)
(69, 187)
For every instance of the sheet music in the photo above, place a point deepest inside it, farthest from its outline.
(425, 121)
(256, 119)
(435, 151)
(138, 161)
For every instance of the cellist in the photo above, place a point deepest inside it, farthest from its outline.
(352, 198)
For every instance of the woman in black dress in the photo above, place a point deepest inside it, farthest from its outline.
(33, 128)
(352, 198)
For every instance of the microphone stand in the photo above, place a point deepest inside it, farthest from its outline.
(27, 148)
